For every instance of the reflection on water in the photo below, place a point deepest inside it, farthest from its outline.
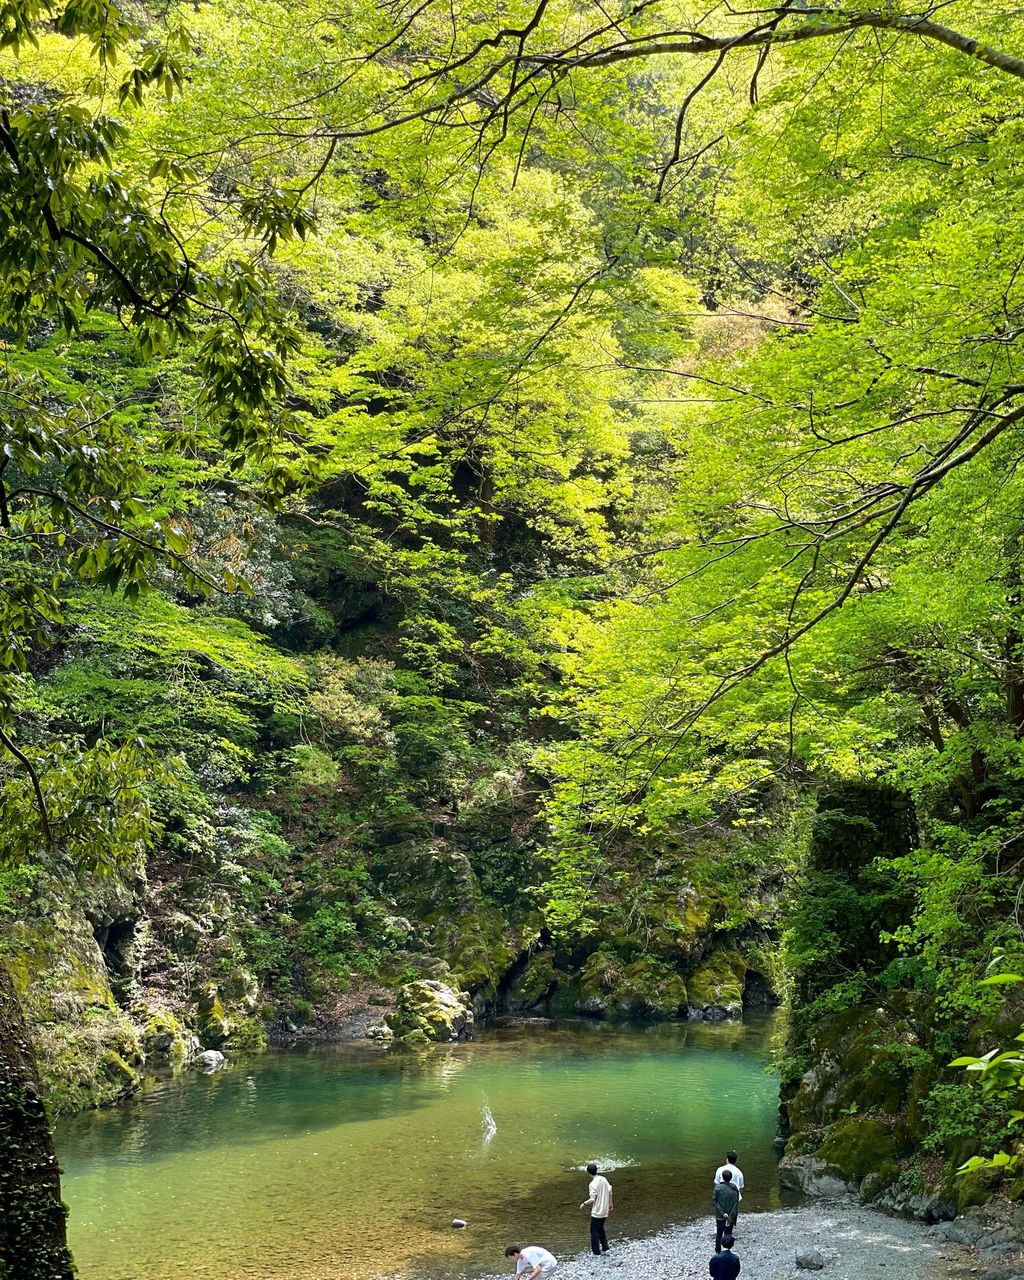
(490, 1128)
(308, 1164)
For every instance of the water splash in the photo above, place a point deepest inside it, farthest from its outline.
(490, 1127)
(605, 1163)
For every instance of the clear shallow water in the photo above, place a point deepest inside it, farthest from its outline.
(347, 1161)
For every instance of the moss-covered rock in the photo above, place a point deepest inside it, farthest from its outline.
(861, 1145)
(475, 940)
(215, 1025)
(861, 1058)
(225, 1013)
(534, 983)
(716, 989)
(430, 1010)
(164, 1038)
(240, 990)
(858, 1114)
(975, 1188)
(598, 978)
(878, 1181)
(88, 1050)
(646, 988)
(248, 1035)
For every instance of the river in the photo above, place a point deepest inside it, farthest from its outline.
(351, 1161)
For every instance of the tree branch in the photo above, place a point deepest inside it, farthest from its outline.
(19, 755)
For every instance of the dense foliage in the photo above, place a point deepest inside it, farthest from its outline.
(471, 491)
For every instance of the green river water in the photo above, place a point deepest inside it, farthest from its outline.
(351, 1161)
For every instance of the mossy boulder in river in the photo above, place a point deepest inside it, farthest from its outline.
(429, 1010)
(645, 988)
(716, 989)
(164, 1037)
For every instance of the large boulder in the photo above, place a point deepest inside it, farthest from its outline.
(646, 988)
(811, 1176)
(966, 1231)
(215, 1024)
(430, 1010)
(928, 1205)
(862, 1146)
(715, 990)
(164, 1038)
(864, 1152)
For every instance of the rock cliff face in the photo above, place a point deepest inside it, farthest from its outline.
(151, 967)
(852, 1117)
(112, 982)
(869, 1103)
(66, 967)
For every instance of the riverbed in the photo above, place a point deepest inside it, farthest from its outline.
(309, 1164)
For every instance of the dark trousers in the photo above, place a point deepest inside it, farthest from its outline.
(598, 1239)
(721, 1226)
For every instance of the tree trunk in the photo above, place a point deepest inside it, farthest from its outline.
(1012, 648)
(485, 495)
(33, 1220)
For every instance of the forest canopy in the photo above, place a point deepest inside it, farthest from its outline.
(536, 441)
(679, 346)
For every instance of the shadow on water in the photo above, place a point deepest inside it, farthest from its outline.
(301, 1163)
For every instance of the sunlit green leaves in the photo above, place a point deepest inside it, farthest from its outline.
(96, 806)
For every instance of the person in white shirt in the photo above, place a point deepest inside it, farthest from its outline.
(737, 1173)
(533, 1259)
(601, 1206)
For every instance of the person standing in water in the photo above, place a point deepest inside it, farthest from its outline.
(533, 1259)
(600, 1202)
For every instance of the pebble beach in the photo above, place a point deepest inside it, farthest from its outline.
(857, 1243)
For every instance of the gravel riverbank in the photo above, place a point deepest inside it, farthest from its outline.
(858, 1244)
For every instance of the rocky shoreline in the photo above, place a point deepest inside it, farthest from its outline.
(856, 1243)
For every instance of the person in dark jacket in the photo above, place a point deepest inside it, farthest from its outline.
(724, 1265)
(726, 1200)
